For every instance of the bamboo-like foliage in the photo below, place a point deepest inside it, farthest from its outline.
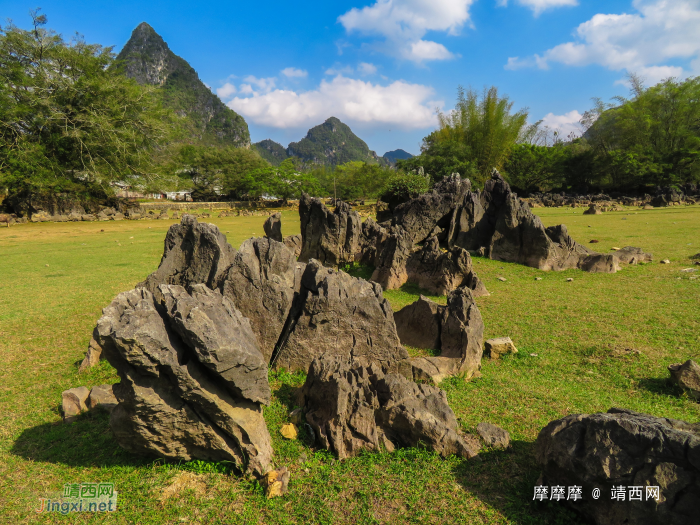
(485, 125)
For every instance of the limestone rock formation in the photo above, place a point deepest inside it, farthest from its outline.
(351, 407)
(74, 403)
(632, 255)
(687, 376)
(330, 238)
(494, 436)
(339, 315)
(194, 254)
(102, 397)
(273, 227)
(439, 272)
(457, 330)
(262, 282)
(293, 242)
(628, 449)
(187, 389)
(390, 271)
(498, 346)
(93, 355)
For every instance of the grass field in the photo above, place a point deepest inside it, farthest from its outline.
(584, 346)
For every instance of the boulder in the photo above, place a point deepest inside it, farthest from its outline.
(390, 271)
(194, 254)
(175, 400)
(495, 348)
(494, 436)
(330, 238)
(632, 255)
(687, 376)
(373, 238)
(353, 407)
(273, 227)
(293, 242)
(419, 324)
(262, 282)
(440, 273)
(457, 330)
(600, 263)
(102, 397)
(630, 450)
(74, 403)
(593, 210)
(339, 315)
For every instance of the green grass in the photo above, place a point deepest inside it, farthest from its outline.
(581, 332)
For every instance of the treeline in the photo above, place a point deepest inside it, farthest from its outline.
(651, 139)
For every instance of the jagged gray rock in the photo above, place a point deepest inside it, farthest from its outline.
(293, 242)
(494, 436)
(440, 273)
(194, 254)
(273, 227)
(632, 255)
(102, 397)
(262, 281)
(330, 238)
(628, 449)
(390, 271)
(351, 407)
(340, 315)
(419, 324)
(173, 402)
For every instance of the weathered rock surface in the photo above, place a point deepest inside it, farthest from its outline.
(293, 242)
(498, 346)
(102, 397)
(93, 355)
(276, 482)
(629, 449)
(632, 255)
(330, 238)
(352, 407)
(439, 272)
(262, 282)
(373, 238)
(494, 436)
(457, 330)
(687, 376)
(174, 400)
(339, 315)
(593, 210)
(194, 254)
(74, 403)
(390, 271)
(273, 227)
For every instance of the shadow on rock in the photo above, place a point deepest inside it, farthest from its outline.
(505, 480)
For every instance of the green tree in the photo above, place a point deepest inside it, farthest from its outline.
(285, 182)
(536, 168)
(485, 126)
(441, 158)
(68, 122)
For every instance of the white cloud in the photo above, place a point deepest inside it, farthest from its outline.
(565, 124)
(365, 68)
(291, 72)
(400, 103)
(340, 70)
(538, 6)
(264, 85)
(660, 31)
(404, 23)
(226, 91)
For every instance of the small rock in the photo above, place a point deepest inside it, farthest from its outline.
(295, 416)
(494, 436)
(687, 376)
(47, 265)
(74, 403)
(533, 355)
(289, 431)
(570, 280)
(102, 396)
(276, 482)
(495, 348)
(665, 261)
(615, 248)
(502, 279)
(689, 270)
(538, 278)
(593, 241)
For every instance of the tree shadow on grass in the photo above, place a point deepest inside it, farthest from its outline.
(87, 442)
(505, 480)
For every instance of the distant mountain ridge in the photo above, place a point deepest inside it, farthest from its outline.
(397, 154)
(147, 58)
(331, 143)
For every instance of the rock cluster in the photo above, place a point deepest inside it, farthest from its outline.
(352, 407)
(687, 376)
(77, 400)
(457, 330)
(625, 449)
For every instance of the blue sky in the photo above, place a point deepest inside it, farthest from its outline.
(384, 66)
